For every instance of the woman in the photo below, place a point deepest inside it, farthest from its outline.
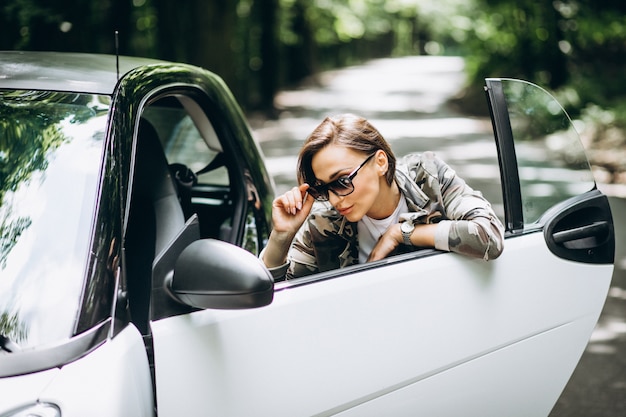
(355, 205)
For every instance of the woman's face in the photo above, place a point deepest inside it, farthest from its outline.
(335, 161)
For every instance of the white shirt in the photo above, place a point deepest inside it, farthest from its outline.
(370, 230)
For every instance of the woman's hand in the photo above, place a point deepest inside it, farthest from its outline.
(387, 243)
(289, 211)
(423, 236)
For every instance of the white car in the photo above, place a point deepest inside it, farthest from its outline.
(134, 202)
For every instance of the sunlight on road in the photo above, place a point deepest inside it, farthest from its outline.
(410, 84)
(405, 99)
(445, 127)
(609, 329)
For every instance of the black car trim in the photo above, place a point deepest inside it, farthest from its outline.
(581, 229)
(511, 191)
(29, 361)
(352, 269)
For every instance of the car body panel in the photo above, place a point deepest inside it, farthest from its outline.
(235, 360)
(117, 374)
(472, 381)
(22, 390)
(113, 379)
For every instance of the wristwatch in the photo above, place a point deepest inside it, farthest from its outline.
(407, 227)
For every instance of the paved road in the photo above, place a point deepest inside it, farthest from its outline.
(405, 98)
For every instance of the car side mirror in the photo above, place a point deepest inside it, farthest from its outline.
(211, 273)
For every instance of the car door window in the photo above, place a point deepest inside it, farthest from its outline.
(184, 144)
(190, 141)
(547, 181)
(551, 159)
(186, 147)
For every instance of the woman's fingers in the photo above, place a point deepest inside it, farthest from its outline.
(294, 199)
(387, 243)
(291, 197)
(292, 207)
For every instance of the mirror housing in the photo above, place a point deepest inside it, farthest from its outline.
(211, 273)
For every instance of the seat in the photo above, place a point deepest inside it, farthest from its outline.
(155, 219)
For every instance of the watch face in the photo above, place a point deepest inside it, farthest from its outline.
(407, 226)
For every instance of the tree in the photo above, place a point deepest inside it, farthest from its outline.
(65, 25)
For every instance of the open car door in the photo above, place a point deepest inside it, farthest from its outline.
(425, 333)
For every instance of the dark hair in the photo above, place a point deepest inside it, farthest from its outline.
(346, 130)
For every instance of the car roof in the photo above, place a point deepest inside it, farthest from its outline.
(65, 71)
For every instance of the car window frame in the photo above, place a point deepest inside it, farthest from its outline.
(507, 157)
(238, 172)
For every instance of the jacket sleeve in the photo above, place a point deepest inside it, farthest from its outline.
(470, 226)
(300, 258)
(326, 241)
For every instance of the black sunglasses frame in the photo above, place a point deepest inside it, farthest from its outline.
(320, 191)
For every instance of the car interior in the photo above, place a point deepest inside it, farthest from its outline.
(181, 192)
(200, 167)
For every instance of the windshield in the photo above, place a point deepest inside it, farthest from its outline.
(51, 146)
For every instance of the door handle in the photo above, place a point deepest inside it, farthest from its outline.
(580, 229)
(596, 229)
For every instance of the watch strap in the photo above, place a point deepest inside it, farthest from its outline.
(406, 235)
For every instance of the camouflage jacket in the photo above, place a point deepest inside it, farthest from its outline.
(434, 194)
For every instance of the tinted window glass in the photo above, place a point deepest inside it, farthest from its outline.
(50, 151)
(184, 144)
(190, 138)
(551, 159)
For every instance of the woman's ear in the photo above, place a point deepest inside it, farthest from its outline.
(382, 162)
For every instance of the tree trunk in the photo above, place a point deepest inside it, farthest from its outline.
(266, 10)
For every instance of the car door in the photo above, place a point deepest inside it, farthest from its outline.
(425, 333)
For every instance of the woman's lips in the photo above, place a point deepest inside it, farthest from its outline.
(345, 210)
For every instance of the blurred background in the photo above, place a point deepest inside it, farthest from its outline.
(575, 48)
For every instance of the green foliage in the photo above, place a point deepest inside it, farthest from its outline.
(24, 146)
(259, 46)
(12, 327)
(555, 44)
(29, 132)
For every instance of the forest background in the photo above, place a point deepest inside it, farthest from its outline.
(575, 48)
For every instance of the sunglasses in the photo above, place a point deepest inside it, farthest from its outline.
(341, 187)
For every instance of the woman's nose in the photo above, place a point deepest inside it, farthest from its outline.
(334, 198)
